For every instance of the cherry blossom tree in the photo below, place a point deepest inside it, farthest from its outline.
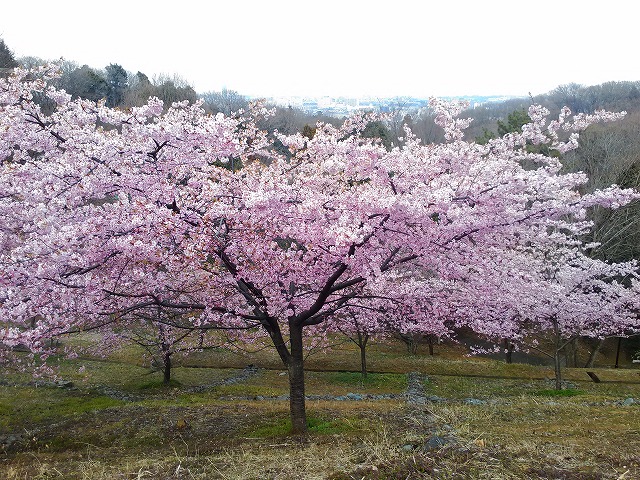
(543, 299)
(106, 212)
(359, 331)
(162, 334)
(412, 308)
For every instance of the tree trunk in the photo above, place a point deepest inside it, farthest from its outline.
(165, 352)
(166, 370)
(594, 354)
(411, 342)
(508, 350)
(363, 338)
(566, 351)
(558, 369)
(363, 361)
(557, 351)
(296, 382)
(618, 353)
(571, 353)
(430, 340)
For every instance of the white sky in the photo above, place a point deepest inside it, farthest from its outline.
(339, 47)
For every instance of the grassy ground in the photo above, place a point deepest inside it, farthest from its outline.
(490, 420)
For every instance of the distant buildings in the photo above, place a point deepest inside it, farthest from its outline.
(343, 106)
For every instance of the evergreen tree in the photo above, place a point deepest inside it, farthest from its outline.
(7, 60)
(117, 83)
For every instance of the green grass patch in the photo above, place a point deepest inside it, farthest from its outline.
(281, 427)
(159, 385)
(387, 381)
(28, 405)
(267, 383)
(567, 392)
(76, 405)
(133, 378)
(244, 390)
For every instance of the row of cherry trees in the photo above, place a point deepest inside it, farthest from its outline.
(109, 218)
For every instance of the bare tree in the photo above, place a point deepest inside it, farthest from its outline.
(31, 62)
(225, 101)
(609, 154)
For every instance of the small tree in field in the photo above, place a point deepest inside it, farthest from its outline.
(106, 212)
(407, 311)
(585, 298)
(163, 335)
(359, 331)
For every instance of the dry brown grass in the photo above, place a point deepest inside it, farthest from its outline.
(527, 439)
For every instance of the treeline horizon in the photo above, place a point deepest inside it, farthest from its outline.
(125, 89)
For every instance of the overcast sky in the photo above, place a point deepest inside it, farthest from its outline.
(339, 47)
